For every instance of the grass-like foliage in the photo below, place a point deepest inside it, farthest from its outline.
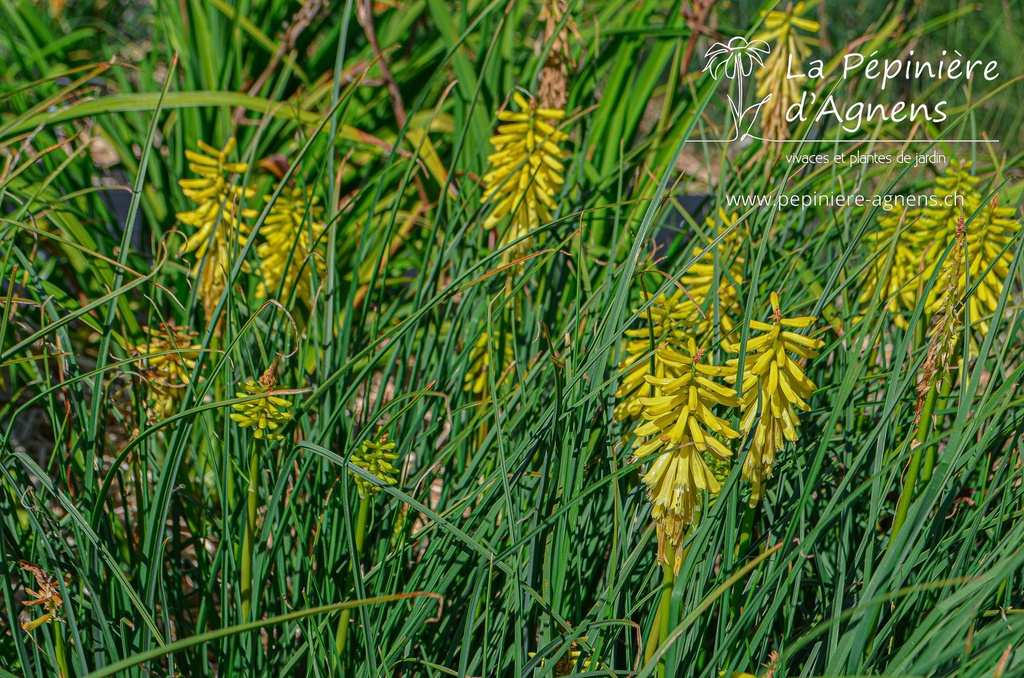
(422, 339)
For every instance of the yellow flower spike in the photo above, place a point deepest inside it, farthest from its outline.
(685, 405)
(775, 384)
(985, 239)
(477, 380)
(785, 30)
(671, 386)
(292, 248)
(167, 376)
(375, 457)
(687, 313)
(678, 481)
(922, 235)
(679, 426)
(264, 414)
(525, 172)
(218, 217)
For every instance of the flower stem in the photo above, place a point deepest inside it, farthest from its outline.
(925, 424)
(219, 395)
(924, 430)
(665, 610)
(742, 546)
(907, 493)
(249, 539)
(364, 512)
(929, 455)
(659, 629)
(746, 530)
(60, 652)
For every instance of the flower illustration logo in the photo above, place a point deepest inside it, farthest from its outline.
(735, 59)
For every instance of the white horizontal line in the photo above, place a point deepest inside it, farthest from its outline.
(857, 141)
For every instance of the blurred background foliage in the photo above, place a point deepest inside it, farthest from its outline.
(517, 501)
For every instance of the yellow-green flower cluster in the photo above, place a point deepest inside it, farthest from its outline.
(265, 413)
(774, 388)
(290, 251)
(375, 457)
(896, 284)
(986, 238)
(477, 380)
(700, 284)
(525, 171)
(688, 313)
(661, 326)
(679, 427)
(683, 401)
(921, 236)
(217, 216)
(169, 359)
(785, 30)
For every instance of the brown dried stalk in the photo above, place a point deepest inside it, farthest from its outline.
(945, 324)
(554, 77)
